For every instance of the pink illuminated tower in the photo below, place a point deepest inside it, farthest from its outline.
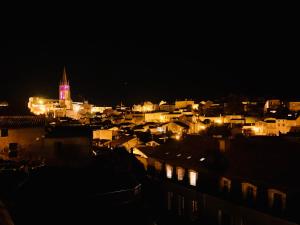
(65, 92)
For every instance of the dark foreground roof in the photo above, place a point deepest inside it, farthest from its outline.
(22, 121)
(271, 160)
(68, 131)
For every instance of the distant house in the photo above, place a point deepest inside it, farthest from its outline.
(104, 134)
(195, 126)
(212, 119)
(128, 142)
(155, 117)
(152, 143)
(272, 104)
(184, 104)
(273, 126)
(138, 118)
(157, 128)
(145, 107)
(294, 106)
(167, 107)
(171, 116)
(177, 127)
(141, 128)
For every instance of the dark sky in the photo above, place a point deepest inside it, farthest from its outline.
(110, 71)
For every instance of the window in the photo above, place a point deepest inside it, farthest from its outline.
(277, 200)
(249, 191)
(193, 176)
(225, 184)
(180, 205)
(223, 218)
(180, 173)
(169, 171)
(194, 206)
(13, 150)
(4, 132)
(169, 200)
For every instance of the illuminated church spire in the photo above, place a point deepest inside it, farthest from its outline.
(64, 80)
(64, 88)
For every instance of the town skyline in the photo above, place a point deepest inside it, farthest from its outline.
(131, 71)
(180, 149)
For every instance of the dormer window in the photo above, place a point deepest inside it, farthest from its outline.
(193, 177)
(180, 173)
(249, 191)
(169, 171)
(225, 185)
(277, 200)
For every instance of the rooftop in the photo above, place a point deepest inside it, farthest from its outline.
(22, 121)
(271, 160)
(61, 131)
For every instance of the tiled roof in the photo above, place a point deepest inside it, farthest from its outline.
(120, 141)
(22, 121)
(272, 160)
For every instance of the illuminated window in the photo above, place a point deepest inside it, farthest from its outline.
(193, 175)
(180, 173)
(4, 132)
(169, 171)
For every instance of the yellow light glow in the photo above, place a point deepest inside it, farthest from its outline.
(193, 175)
(76, 108)
(202, 127)
(195, 106)
(162, 119)
(180, 173)
(219, 121)
(41, 101)
(256, 129)
(177, 136)
(169, 171)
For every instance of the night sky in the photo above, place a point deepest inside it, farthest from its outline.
(106, 72)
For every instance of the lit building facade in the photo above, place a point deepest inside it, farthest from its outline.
(63, 106)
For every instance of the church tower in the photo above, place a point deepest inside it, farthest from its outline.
(65, 92)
